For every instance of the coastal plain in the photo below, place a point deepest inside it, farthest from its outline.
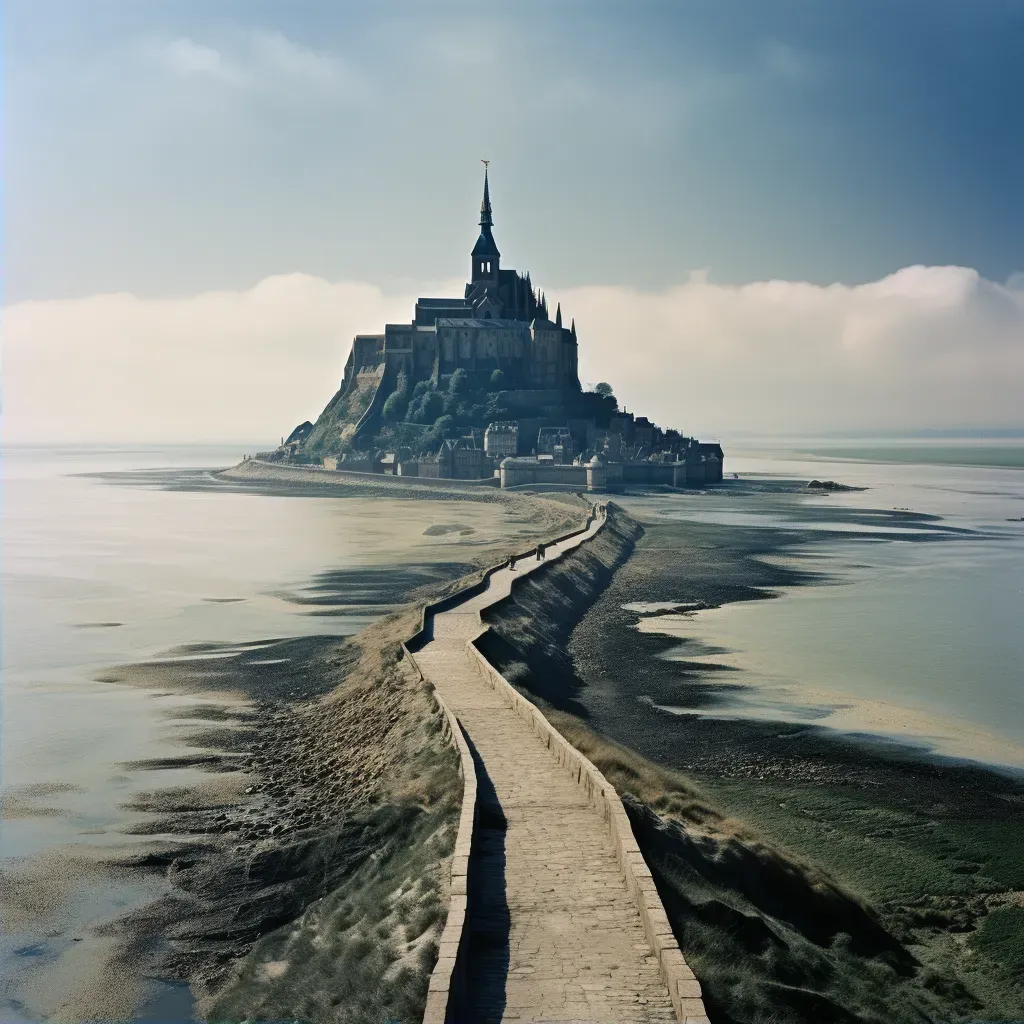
(302, 804)
(809, 872)
(263, 755)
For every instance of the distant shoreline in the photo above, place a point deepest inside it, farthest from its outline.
(257, 469)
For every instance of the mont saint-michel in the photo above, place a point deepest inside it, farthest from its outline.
(489, 693)
(485, 386)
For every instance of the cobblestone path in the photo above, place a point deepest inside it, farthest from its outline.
(555, 933)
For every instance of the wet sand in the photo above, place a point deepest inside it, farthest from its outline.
(302, 761)
(931, 843)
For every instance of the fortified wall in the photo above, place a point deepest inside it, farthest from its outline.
(600, 475)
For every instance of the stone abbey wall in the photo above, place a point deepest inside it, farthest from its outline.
(541, 357)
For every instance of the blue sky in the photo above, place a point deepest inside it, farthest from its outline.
(765, 216)
(165, 148)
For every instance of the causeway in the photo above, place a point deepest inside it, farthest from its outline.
(554, 932)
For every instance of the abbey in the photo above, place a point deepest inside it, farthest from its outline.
(485, 387)
(500, 323)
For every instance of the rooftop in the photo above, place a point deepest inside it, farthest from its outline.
(451, 321)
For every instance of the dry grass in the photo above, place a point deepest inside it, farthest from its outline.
(669, 793)
(372, 790)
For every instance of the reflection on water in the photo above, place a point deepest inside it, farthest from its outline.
(919, 641)
(98, 574)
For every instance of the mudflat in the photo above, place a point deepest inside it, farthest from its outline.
(302, 786)
(929, 845)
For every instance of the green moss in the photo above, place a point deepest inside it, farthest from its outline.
(1001, 938)
(888, 854)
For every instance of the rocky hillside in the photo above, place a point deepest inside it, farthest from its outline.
(384, 411)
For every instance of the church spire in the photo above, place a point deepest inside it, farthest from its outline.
(486, 220)
(486, 260)
(558, 315)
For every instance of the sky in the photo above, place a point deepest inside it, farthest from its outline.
(747, 205)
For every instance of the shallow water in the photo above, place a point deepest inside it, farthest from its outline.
(108, 570)
(919, 641)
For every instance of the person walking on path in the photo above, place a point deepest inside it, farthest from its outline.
(512, 563)
(540, 552)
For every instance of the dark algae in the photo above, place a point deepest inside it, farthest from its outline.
(808, 876)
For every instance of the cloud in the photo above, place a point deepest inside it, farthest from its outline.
(923, 347)
(257, 59)
(187, 58)
(276, 52)
(244, 365)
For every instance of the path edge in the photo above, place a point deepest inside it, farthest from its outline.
(447, 977)
(683, 987)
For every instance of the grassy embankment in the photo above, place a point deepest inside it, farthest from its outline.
(795, 895)
(320, 894)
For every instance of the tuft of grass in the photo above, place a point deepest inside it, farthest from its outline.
(663, 790)
(346, 960)
(767, 960)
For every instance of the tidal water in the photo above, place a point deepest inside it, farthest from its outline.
(919, 641)
(115, 557)
(106, 565)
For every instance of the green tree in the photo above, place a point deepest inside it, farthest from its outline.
(458, 383)
(446, 427)
(433, 406)
(425, 407)
(604, 389)
(398, 401)
(497, 380)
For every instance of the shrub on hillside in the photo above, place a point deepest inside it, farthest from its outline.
(398, 401)
(426, 407)
(458, 383)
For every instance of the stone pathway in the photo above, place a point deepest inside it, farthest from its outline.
(555, 933)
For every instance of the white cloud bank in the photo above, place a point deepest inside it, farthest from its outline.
(924, 347)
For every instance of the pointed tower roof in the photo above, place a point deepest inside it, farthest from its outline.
(485, 244)
(486, 220)
(558, 315)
